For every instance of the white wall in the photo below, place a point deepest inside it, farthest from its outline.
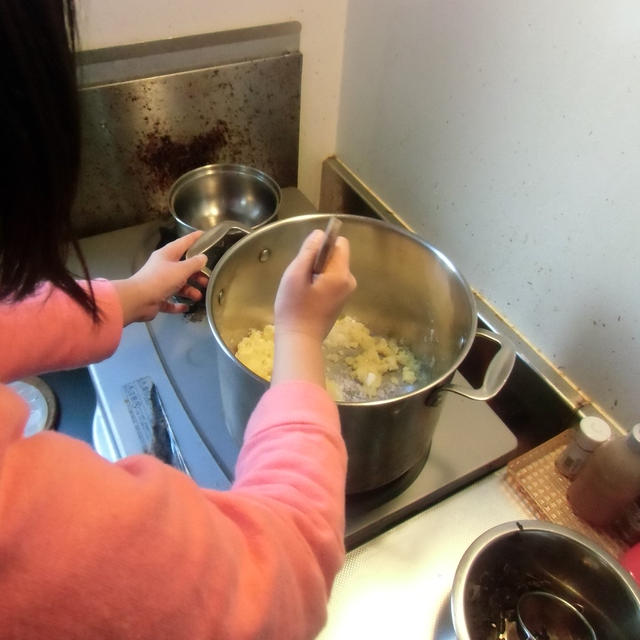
(508, 134)
(105, 23)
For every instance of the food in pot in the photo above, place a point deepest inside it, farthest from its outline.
(359, 366)
(255, 351)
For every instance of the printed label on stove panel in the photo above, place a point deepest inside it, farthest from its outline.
(150, 421)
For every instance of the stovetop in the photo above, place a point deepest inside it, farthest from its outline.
(177, 354)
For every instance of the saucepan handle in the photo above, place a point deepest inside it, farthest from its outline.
(497, 372)
(212, 237)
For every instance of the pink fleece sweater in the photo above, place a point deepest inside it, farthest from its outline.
(135, 550)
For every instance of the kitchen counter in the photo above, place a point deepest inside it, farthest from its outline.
(397, 585)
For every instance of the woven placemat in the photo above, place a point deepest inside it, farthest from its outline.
(535, 478)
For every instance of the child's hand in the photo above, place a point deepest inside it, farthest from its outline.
(148, 290)
(305, 309)
(310, 304)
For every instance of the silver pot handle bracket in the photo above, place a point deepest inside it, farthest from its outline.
(211, 237)
(497, 372)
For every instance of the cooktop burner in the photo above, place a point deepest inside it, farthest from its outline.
(177, 356)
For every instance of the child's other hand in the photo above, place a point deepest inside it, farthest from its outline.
(164, 275)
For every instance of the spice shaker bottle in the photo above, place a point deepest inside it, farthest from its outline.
(609, 481)
(590, 434)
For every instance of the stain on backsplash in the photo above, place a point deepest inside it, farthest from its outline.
(140, 136)
(167, 159)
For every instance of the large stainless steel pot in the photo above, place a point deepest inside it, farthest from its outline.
(406, 289)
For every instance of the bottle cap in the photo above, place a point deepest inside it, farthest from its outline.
(592, 433)
(633, 439)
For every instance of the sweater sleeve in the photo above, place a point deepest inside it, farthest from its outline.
(137, 550)
(49, 331)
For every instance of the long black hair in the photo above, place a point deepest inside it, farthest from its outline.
(40, 140)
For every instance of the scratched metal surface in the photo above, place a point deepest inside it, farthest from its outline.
(139, 136)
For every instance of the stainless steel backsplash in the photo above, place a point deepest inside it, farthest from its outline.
(139, 135)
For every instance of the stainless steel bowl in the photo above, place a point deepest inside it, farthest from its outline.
(531, 555)
(217, 193)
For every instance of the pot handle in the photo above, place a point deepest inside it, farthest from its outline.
(497, 372)
(211, 237)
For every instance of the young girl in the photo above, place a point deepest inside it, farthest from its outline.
(90, 549)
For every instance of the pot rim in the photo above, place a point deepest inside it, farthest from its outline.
(322, 219)
(219, 168)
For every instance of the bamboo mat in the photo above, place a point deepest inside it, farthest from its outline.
(543, 488)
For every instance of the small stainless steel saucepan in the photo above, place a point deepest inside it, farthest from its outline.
(220, 198)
